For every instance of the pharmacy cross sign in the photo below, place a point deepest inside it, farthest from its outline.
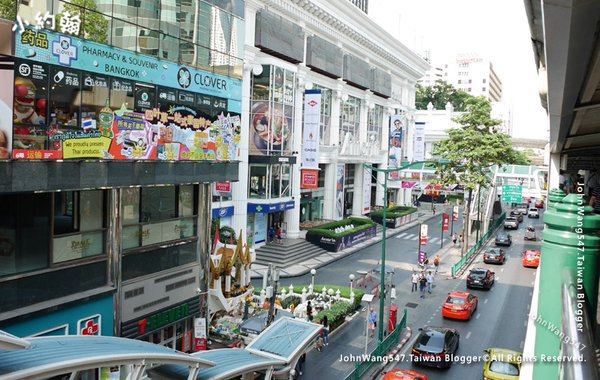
(64, 50)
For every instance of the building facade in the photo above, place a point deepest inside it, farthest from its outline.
(121, 117)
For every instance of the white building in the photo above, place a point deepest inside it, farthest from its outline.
(474, 75)
(364, 76)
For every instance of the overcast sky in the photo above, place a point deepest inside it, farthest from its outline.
(497, 29)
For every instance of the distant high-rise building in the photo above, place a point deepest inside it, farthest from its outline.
(474, 75)
(363, 5)
(432, 75)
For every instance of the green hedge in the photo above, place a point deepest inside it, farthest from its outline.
(328, 229)
(394, 212)
(455, 197)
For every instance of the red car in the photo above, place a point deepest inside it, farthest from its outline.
(459, 305)
(531, 258)
(404, 374)
(539, 203)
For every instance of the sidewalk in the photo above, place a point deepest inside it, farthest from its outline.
(424, 214)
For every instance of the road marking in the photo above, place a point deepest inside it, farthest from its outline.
(485, 301)
(402, 235)
(478, 315)
(413, 237)
(468, 335)
(502, 270)
(433, 240)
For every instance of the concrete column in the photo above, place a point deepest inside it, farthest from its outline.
(330, 191)
(553, 171)
(379, 195)
(357, 199)
(334, 130)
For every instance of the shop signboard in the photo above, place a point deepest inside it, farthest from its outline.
(309, 179)
(445, 222)
(223, 187)
(419, 142)
(455, 213)
(200, 334)
(79, 99)
(311, 130)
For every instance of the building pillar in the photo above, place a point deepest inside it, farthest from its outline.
(329, 192)
(553, 171)
(357, 196)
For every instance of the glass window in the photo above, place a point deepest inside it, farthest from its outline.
(149, 13)
(186, 200)
(145, 263)
(130, 198)
(94, 26)
(275, 180)
(158, 203)
(258, 181)
(145, 97)
(24, 233)
(286, 180)
(169, 47)
(121, 94)
(349, 120)
(94, 96)
(325, 120)
(65, 97)
(124, 35)
(147, 42)
(374, 126)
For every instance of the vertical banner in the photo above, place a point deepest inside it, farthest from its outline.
(419, 142)
(395, 144)
(445, 222)
(200, 334)
(423, 235)
(311, 130)
(339, 192)
(367, 190)
(309, 179)
(6, 101)
(455, 213)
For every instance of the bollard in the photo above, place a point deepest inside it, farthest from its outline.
(568, 243)
(555, 196)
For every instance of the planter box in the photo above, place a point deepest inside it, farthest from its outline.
(394, 222)
(342, 242)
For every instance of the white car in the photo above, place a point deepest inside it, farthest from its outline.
(533, 213)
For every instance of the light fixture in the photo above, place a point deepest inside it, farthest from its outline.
(308, 85)
(344, 97)
(257, 69)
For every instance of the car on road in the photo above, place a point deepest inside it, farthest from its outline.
(435, 346)
(501, 364)
(516, 214)
(459, 305)
(502, 238)
(480, 278)
(521, 208)
(404, 374)
(511, 222)
(539, 203)
(530, 233)
(494, 256)
(533, 213)
(531, 258)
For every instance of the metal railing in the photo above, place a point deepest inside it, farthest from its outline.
(480, 243)
(577, 339)
(361, 368)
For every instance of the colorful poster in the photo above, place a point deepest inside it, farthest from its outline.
(270, 128)
(445, 222)
(312, 118)
(339, 192)
(260, 227)
(419, 142)
(309, 179)
(367, 190)
(395, 144)
(6, 100)
(423, 234)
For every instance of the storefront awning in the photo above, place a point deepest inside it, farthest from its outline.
(267, 208)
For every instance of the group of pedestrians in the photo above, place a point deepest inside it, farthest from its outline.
(273, 230)
(421, 282)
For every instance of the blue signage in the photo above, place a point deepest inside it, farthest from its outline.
(63, 50)
(267, 208)
(222, 212)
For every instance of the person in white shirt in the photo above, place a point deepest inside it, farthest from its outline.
(415, 281)
(429, 281)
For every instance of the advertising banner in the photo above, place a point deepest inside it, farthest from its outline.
(6, 100)
(311, 130)
(309, 179)
(395, 144)
(223, 187)
(200, 334)
(423, 234)
(339, 192)
(445, 222)
(419, 142)
(78, 99)
(455, 213)
(367, 190)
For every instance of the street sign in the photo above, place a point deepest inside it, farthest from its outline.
(512, 193)
(445, 222)
(423, 235)
(455, 213)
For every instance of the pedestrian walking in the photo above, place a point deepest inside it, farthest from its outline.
(279, 234)
(271, 234)
(460, 238)
(319, 342)
(454, 238)
(309, 316)
(415, 281)
(422, 284)
(325, 330)
(436, 262)
(372, 322)
(429, 281)
(393, 294)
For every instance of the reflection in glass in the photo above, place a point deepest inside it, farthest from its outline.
(65, 97)
(258, 181)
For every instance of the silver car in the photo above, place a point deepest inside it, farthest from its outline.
(533, 213)
(511, 222)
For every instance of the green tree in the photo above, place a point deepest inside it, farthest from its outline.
(8, 9)
(94, 25)
(439, 94)
(468, 153)
(523, 157)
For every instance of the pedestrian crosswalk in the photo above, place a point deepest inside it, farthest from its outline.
(414, 237)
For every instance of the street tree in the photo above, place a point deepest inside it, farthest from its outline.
(8, 9)
(439, 94)
(468, 153)
(94, 26)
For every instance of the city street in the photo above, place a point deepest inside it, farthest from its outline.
(500, 319)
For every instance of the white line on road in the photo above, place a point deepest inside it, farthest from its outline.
(478, 315)
(468, 335)
(402, 235)
(485, 301)
(433, 240)
(413, 237)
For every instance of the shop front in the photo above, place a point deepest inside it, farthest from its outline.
(262, 216)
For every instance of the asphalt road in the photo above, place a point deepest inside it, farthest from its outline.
(501, 317)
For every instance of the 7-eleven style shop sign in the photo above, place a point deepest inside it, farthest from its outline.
(423, 235)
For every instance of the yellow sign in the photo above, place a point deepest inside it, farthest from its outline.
(94, 147)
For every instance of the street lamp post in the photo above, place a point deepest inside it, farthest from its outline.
(351, 277)
(312, 273)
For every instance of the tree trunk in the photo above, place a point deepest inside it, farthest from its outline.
(466, 229)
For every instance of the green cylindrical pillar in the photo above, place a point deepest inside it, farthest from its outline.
(555, 196)
(568, 243)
